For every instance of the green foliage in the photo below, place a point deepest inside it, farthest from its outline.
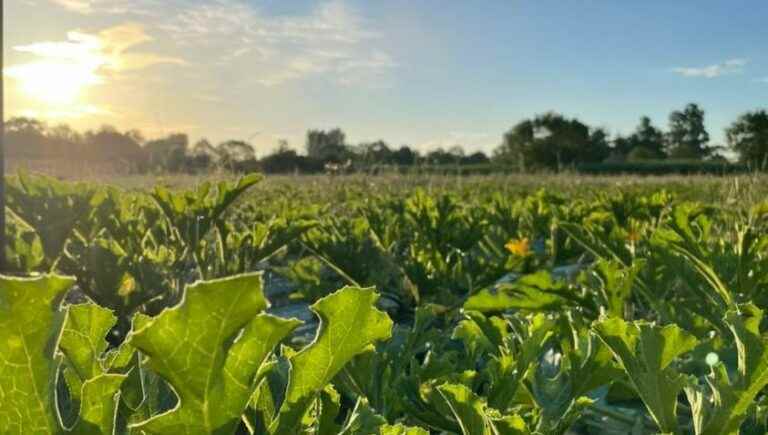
(495, 311)
(30, 324)
(646, 352)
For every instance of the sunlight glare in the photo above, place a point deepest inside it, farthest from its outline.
(55, 82)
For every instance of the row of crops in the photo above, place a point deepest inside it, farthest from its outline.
(446, 310)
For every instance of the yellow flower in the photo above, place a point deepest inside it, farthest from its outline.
(633, 236)
(519, 247)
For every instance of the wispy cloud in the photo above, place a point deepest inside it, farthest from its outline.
(88, 7)
(331, 39)
(63, 69)
(731, 66)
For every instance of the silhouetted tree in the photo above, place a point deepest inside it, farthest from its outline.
(748, 136)
(234, 153)
(476, 158)
(375, 153)
(687, 136)
(326, 146)
(405, 156)
(649, 138)
(168, 153)
(552, 141)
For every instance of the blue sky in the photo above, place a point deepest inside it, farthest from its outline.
(424, 73)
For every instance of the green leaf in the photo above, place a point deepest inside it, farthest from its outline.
(327, 409)
(98, 406)
(467, 409)
(83, 338)
(735, 396)
(616, 284)
(209, 348)
(480, 334)
(363, 420)
(349, 325)
(646, 353)
(473, 415)
(400, 429)
(535, 292)
(30, 325)
(506, 372)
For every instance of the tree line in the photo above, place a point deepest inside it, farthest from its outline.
(549, 141)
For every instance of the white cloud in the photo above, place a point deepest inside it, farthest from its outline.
(330, 40)
(731, 66)
(87, 7)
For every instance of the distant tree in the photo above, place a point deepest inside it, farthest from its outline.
(687, 136)
(107, 143)
(286, 160)
(648, 140)
(748, 136)
(25, 125)
(234, 153)
(26, 138)
(552, 141)
(620, 148)
(168, 153)
(203, 156)
(375, 153)
(440, 156)
(517, 145)
(405, 156)
(476, 158)
(65, 134)
(327, 146)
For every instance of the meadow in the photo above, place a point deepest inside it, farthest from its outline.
(508, 304)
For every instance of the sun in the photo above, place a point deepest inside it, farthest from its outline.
(55, 83)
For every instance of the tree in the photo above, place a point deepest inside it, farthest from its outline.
(476, 158)
(517, 146)
(405, 156)
(168, 153)
(440, 156)
(375, 153)
(748, 136)
(647, 140)
(107, 143)
(235, 152)
(687, 136)
(552, 141)
(326, 146)
(284, 159)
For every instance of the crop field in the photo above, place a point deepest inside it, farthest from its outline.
(389, 305)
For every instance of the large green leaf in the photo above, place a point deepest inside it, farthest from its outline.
(646, 352)
(30, 325)
(349, 325)
(734, 396)
(83, 338)
(209, 348)
(536, 292)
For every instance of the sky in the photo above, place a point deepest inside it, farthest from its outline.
(427, 73)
